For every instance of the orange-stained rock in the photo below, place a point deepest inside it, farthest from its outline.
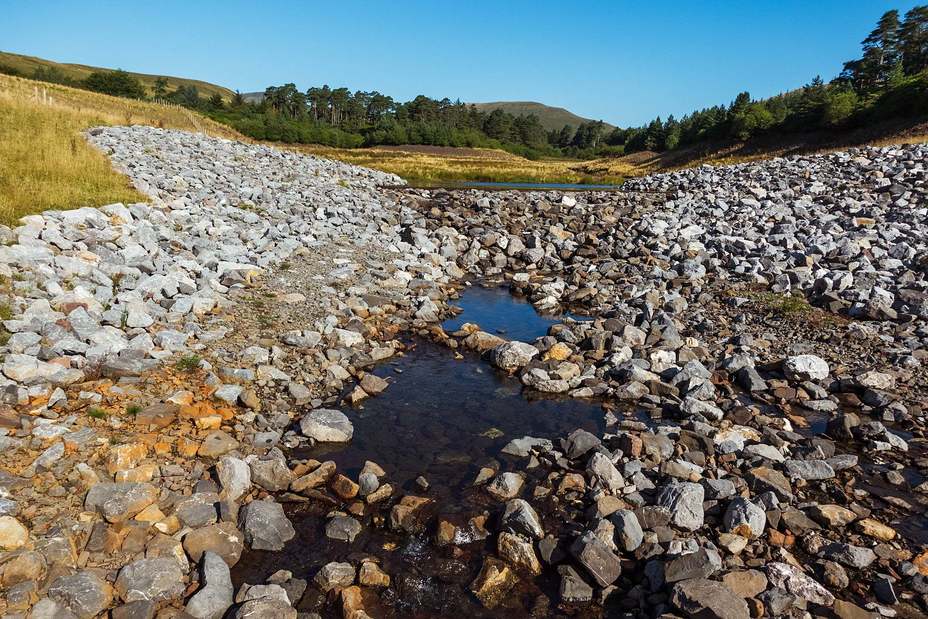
(124, 457)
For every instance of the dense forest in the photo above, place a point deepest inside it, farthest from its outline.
(888, 81)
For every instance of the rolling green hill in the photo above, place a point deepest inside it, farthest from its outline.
(550, 117)
(27, 66)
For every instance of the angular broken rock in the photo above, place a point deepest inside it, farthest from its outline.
(118, 502)
(493, 582)
(154, 579)
(85, 594)
(335, 575)
(852, 556)
(265, 525)
(699, 597)
(799, 584)
(506, 485)
(809, 470)
(327, 426)
(805, 367)
(628, 532)
(215, 595)
(744, 518)
(684, 501)
(519, 517)
(512, 355)
(223, 539)
(518, 551)
(600, 562)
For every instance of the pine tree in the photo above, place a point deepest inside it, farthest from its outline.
(913, 40)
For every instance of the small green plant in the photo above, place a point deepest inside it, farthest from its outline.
(343, 183)
(96, 413)
(785, 304)
(188, 363)
(133, 410)
(285, 265)
(6, 312)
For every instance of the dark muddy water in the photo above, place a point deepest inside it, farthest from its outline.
(441, 418)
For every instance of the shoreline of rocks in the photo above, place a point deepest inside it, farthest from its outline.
(162, 357)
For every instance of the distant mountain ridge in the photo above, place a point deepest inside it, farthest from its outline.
(27, 66)
(550, 117)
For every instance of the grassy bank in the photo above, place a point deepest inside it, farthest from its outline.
(44, 161)
(434, 165)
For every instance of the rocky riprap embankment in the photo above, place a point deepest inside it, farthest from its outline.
(276, 279)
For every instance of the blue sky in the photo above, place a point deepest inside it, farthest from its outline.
(623, 62)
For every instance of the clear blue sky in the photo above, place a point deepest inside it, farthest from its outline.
(623, 62)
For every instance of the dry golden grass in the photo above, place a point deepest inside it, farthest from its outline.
(466, 164)
(45, 163)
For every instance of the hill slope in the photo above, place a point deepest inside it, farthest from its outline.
(27, 65)
(550, 117)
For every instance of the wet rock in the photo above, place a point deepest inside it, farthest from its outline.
(493, 583)
(580, 442)
(335, 575)
(370, 575)
(519, 517)
(518, 551)
(600, 562)
(506, 485)
(265, 525)
(343, 528)
(406, 515)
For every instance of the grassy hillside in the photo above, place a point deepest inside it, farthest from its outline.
(550, 117)
(27, 66)
(45, 163)
(730, 152)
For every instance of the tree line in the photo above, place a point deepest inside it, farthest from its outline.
(369, 118)
(888, 81)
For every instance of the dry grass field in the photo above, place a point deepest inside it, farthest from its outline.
(45, 163)
(434, 165)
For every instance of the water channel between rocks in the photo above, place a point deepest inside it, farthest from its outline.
(442, 418)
